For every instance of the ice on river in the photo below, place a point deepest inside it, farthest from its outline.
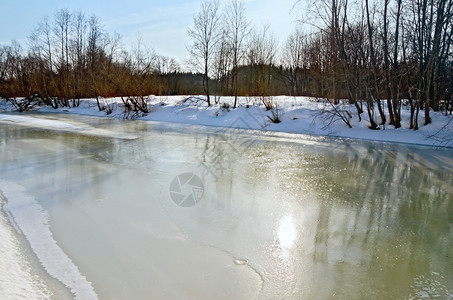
(279, 217)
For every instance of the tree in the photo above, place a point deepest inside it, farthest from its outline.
(3, 65)
(165, 67)
(94, 53)
(238, 28)
(205, 34)
(295, 61)
(373, 90)
(429, 29)
(223, 63)
(42, 47)
(77, 54)
(62, 30)
(391, 63)
(261, 53)
(339, 47)
(71, 57)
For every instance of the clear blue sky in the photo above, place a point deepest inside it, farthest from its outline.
(161, 23)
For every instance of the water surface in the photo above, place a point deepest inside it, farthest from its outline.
(280, 216)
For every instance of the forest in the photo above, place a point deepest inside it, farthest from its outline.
(369, 53)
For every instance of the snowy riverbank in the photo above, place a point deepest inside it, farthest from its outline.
(297, 115)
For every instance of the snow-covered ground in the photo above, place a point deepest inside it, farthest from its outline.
(17, 280)
(33, 222)
(300, 115)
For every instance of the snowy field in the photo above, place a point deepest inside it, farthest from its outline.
(299, 115)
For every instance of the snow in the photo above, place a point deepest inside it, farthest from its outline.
(33, 223)
(45, 123)
(16, 278)
(298, 115)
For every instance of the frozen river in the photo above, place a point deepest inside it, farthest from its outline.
(141, 210)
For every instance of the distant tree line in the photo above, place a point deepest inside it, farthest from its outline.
(398, 50)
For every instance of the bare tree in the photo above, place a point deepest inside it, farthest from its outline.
(165, 66)
(261, 53)
(294, 59)
(223, 63)
(238, 28)
(429, 32)
(392, 63)
(62, 28)
(205, 34)
(339, 46)
(93, 54)
(142, 65)
(8, 60)
(78, 43)
(43, 48)
(71, 56)
(373, 90)
(3, 65)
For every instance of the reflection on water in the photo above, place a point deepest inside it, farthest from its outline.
(294, 218)
(287, 233)
(374, 218)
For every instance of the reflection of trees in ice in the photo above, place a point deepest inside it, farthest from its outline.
(315, 217)
(367, 214)
(215, 158)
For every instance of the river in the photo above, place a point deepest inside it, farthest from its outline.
(119, 209)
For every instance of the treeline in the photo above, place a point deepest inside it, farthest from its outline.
(361, 51)
(384, 49)
(70, 56)
(398, 50)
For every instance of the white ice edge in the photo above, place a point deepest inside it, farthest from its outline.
(298, 115)
(79, 128)
(17, 281)
(40, 122)
(33, 220)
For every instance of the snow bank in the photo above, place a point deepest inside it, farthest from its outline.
(76, 127)
(297, 115)
(16, 278)
(32, 220)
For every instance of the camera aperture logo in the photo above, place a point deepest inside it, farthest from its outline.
(186, 190)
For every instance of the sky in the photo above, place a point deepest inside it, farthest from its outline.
(162, 24)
